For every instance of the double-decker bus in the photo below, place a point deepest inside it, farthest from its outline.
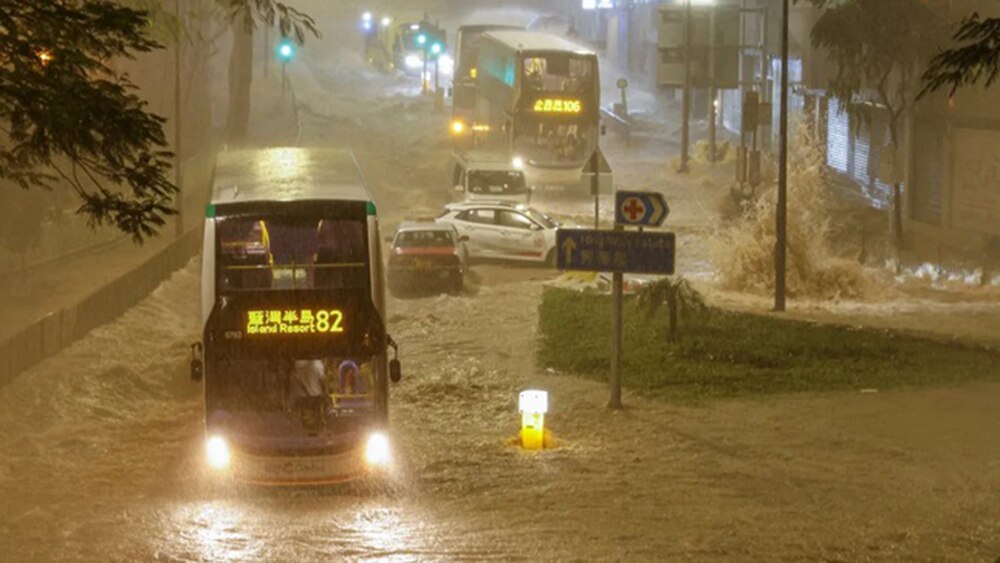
(295, 356)
(538, 98)
(467, 42)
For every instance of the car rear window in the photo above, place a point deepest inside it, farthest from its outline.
(412, 239)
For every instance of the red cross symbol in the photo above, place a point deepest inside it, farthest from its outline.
(634, 209)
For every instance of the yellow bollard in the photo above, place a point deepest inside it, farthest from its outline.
(533, 405)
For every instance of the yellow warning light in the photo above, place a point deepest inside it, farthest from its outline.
(457, 127)
(533, 405)
(473, 72)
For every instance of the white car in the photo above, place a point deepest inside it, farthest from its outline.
(503, 230)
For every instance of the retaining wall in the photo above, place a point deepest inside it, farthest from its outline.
(58, 330)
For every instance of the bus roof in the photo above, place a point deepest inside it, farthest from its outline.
(537, 41)
(288, 174)
(476, 28)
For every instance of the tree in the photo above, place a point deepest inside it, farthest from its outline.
(975, 59)
(244, 16)
(879, 48)
(66, 115)
(681, 298)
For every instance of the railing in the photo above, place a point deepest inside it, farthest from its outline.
(620, 125)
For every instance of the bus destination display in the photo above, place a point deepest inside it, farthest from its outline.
(294, 321)
(557, 105)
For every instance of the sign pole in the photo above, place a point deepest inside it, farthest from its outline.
(615, 383)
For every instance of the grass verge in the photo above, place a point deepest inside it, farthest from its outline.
(727, 354)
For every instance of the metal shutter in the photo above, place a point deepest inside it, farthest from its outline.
(928, 170)
(838, 137)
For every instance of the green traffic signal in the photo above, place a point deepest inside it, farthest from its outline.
(286, 50)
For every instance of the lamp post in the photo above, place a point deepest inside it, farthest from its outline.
(780, 227)
(686, 127)
(178, 109)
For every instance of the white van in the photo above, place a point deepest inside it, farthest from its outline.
(489, 177)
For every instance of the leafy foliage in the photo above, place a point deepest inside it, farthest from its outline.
(976, 59)
(879, 46)
(65, 114)
(290, 22)
(681, 298)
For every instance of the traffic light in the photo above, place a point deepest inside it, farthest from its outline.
(431, 38)
(285, 50)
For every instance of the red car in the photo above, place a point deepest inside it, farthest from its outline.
(427, 256)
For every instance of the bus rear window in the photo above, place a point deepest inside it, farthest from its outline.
(287, 253)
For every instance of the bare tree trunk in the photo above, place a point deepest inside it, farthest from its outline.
(240, 77)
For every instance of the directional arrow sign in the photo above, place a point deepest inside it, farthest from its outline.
(591, 250)
(640, 209)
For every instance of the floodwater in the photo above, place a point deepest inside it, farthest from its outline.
(101, 446)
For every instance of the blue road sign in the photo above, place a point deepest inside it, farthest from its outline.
(627, 252)
(640, 209)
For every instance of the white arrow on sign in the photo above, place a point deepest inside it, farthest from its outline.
(659, 211)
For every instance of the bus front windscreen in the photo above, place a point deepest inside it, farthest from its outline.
(290, 252)
(563, 75)
(547, 143)
(496, 182)
(557, 124)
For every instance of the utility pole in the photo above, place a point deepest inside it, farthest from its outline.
(712, 94)
(178, 110)
(686, 127)
(780, 227)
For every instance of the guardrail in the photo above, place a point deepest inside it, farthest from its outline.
(620, 125)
